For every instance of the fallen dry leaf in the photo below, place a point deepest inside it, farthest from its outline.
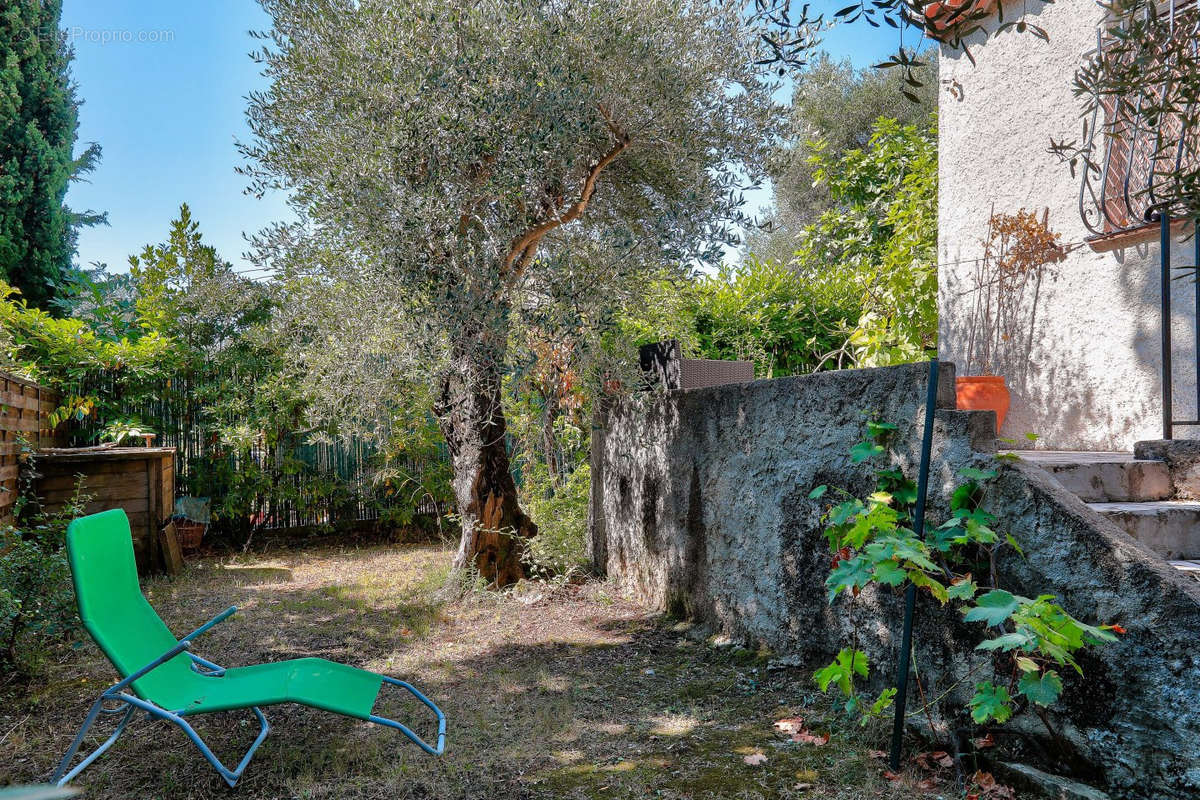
(755, 759)
(984, 780)
(807, 737)
(878, 754)
(790, 725)
(985, 742)
(802, 787)
(990, 789)
(932, 762)
(891, 776)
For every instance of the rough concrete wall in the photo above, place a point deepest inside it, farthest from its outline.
(703, 500)
(1083, 366)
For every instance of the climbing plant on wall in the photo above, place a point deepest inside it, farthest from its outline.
(1026, 641)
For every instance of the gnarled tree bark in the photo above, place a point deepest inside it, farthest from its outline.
(494, 528)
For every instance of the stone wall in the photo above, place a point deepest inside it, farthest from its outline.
(701, 507)
(1083, 354)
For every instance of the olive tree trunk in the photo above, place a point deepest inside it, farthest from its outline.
(494, 528)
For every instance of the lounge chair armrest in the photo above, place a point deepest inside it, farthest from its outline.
(183, 645)
(158, 662)
(212, 623)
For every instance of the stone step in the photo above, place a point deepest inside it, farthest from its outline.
(1170, 528)
(1105, 477)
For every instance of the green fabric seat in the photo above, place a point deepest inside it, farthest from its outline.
(309, 681)
(164, 676)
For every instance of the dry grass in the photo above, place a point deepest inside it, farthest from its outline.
(578, 694)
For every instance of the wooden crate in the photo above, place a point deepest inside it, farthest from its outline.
(140, 480)
(24, 410)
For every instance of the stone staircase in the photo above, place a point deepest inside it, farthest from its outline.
(1136, 494)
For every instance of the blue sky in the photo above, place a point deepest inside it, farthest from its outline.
(164, 86)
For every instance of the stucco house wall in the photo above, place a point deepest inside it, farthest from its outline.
(1083, 368)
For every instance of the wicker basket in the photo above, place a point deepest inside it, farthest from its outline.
(189, 533)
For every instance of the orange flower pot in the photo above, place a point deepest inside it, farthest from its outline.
(984, 393)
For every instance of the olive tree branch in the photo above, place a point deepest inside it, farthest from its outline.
(525, 247)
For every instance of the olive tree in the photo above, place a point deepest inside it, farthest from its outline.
(455, 164)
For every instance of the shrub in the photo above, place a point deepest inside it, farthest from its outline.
(879, 241)
(772, 315)
(560, 513)
(37, 600)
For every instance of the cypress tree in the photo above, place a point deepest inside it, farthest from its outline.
(38, 129)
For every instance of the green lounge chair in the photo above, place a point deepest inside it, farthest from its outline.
(169, 682)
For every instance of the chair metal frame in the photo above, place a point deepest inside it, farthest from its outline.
(130, 704)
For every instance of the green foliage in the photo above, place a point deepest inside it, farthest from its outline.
(864, 271)
(993, 609)
(872, 543)
(1038, 627)
(411, 468)
(185, 347)
(71, 357)
(879, 239)
(561, 514)
(37, 601)
(767, 314)
(755, 311)
(865, 450)
(834, 108)
(180, 313)
(35, 596)
(842, 671)
(990, 703)
(665, 309)
(1043, 689)
(123, 431)
(38, 128)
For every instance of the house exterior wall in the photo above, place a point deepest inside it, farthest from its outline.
(1083, 361)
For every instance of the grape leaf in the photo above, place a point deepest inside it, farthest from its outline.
(1041, 689)
(1007, 642)
(990, 702)
(993, 608)
(963, 589)
(863, 451)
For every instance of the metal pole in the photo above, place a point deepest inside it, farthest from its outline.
(910, 595)
(1164, 246)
